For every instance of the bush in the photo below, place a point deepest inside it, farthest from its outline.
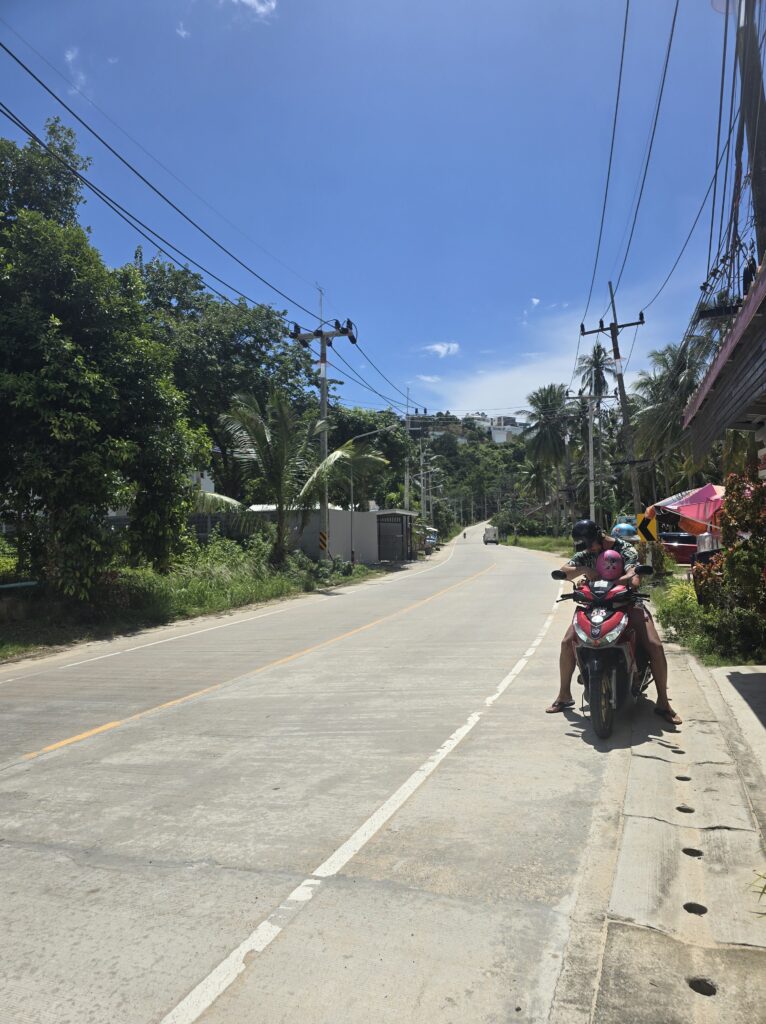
(8, 561)
(730, 634)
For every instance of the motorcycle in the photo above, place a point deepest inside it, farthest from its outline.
(613, 669)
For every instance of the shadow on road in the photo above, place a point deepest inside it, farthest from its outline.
(634, 727)
(751, 686)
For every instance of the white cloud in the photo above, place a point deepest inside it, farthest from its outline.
(263, 8)
(181, 31)
(79, 79)
(112, 60)
(443, 348)
(535, 302)
(428, 378)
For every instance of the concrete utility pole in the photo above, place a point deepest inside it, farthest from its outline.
(614, 331)
(325, 338)
(407, 459)
(324, 511)
(591, 460)
(753, 105)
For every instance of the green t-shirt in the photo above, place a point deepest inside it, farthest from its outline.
(587, 560)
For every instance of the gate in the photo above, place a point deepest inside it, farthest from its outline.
(392, 538)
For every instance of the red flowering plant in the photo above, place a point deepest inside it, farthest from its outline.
(743, 536)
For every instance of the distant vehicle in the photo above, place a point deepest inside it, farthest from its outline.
(682, 547)
(491, 535)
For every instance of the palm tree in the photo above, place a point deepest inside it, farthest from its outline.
(664, 392)
(546, 429)
(277, 447)
(594, 369)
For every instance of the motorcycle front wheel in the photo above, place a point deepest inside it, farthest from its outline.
(600, 701)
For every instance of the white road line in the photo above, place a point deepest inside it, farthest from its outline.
(203, 995)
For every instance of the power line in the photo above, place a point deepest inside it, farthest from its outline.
(651, 143)
(146, 232)
(149, 184)
(728, 154)
(606, 186)
(611, 155)
(138, 225)
(710, 187)
(718, 133)
(73, 85)
(366, 355)
(175, 207)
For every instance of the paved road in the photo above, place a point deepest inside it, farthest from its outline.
(349, 808)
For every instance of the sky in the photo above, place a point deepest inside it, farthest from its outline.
(437, 166)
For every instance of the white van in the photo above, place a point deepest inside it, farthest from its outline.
(491, 535)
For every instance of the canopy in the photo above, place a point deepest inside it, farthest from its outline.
(694, 511)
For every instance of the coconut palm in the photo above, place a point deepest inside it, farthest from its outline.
(546, 428)
(277, 447)
(595, 369)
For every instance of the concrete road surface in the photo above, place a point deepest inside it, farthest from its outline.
(351, 808)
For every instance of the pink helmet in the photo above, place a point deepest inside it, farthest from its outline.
(609, 565)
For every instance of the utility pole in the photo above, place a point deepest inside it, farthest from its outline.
(753, 105)
(407, 459)
(591, 460)
(614, 331)
(325, 338)
(324, 511)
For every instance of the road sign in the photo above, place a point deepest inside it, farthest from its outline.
(322, 541)
(647, 528)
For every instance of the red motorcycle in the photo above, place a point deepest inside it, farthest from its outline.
(614, 670)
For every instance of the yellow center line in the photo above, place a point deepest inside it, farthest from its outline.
(252, 672)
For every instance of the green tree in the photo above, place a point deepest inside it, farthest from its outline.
(546, 427)
(596, 369)
(221, 349)
(92, 418)
(33, 179)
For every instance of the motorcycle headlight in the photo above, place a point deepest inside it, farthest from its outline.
(581, 633)
(612, 635)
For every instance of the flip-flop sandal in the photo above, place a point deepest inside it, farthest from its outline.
(669, 715)
(559, 705)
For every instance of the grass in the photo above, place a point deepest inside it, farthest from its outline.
(554, 545)
(217, 578)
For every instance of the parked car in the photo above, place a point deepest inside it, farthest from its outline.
(680, 546)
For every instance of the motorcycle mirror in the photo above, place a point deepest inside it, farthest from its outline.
(644, 570)
(558, 574)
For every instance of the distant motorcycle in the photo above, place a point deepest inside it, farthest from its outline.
(614, 670)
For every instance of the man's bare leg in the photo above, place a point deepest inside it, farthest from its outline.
(649, 637)
(567, 663)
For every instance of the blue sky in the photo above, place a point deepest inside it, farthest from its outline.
(437, 165)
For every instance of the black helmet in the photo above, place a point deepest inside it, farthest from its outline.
(584, 533)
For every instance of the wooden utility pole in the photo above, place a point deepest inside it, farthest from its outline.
(614, 331)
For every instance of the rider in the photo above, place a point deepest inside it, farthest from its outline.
(590, 541)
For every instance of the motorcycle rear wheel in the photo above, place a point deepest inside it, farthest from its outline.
(600, 701)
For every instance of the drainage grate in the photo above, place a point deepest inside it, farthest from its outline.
(690, 851)
(685, 809)
(684, 778)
